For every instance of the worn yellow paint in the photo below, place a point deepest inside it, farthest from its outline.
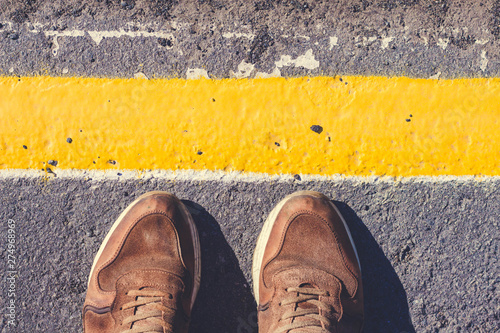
(258, 125)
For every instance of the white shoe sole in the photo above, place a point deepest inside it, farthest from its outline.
(263, 238)
(194, 231)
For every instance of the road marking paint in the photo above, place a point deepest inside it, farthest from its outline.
(435, 76)
(275, 73)
(196, 73)
(307, 61)
(56, 34)
(238, 35)
(385, 42)
(484, 61)
(238, 177)
(133, 30)
(443, 43)
(482, 41)
(98, 36)
(363, 125)
(334, 41)
(244, 70)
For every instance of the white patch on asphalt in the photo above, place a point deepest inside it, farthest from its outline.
(334, 41)
(140, 75)
(237, 35)
(385, 42)
(57, 34)
(443, 43)
(244, 70)
(484, 61)
(275, 73)
(196, 73)
(482, 41)
(365, 41)
(435, 76)
(11, 70)
(307, 61)
(98, 36)
(207, 175)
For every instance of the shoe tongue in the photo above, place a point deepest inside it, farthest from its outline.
(152, 278)
(313, 278)
(308, 277)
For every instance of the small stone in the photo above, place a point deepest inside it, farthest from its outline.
(52, 162)
(25, 147)
(112, 162)
(69, 140)
(14, 36)
(119, 174)
(408, 120)
(316, 128)
(297, 177)
(199, 152)
(277, 144)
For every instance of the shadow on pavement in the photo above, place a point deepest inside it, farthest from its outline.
(225, 302)
(386, 305)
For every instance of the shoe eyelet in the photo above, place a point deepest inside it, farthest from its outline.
(170, 296)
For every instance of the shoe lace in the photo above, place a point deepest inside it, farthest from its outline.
(151, 314)
(317, 318)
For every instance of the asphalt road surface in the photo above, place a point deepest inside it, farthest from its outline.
(428, 247)
(212, 38)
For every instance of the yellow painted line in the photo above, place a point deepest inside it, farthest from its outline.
(371, 125)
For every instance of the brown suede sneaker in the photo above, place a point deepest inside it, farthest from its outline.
(146, 274)
(306, 272)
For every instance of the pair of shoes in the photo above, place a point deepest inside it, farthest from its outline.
(146, 275)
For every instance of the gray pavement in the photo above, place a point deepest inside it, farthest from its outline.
(428, 246)
(239, 38)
